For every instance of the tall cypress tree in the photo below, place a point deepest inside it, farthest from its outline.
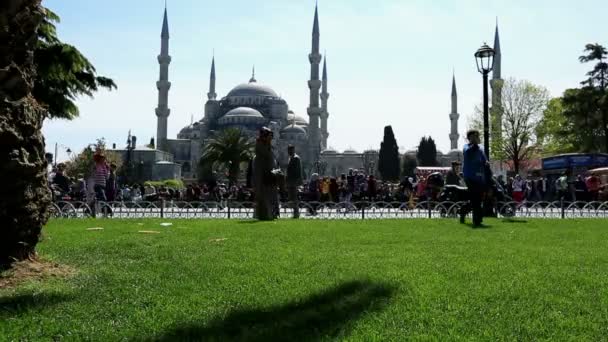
(388, 160)
(427, 152)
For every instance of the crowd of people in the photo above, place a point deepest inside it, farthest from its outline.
(103, 184)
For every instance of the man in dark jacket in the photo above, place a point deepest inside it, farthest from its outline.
(474, 168)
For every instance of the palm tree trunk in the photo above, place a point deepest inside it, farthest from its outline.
(24, 194)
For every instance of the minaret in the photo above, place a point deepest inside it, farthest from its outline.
(314, 111)
(163, 85)
(252, 79)
(496, 83)
(454, 116)
(212, 106)
(211, 95)
(324, 112)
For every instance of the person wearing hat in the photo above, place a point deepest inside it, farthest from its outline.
(264, 183)
(453, 176)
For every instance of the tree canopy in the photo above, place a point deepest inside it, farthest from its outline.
(427, 152)
(82, 163)
(388, 159)
(578, 120)
(63, 73)
(409, 166)
(228, 149)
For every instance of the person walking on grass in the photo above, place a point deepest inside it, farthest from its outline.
(474, 168)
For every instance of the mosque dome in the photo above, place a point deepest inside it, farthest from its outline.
(292, 117)
(350, 151)
(186, 130)
(329, 151)
(242, 115)
(252, 89)
(293, 129)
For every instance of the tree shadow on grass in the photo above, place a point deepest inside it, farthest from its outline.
(310, 319)
(11, 306)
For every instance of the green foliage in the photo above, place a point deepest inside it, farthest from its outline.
(228, 149)
(578, 121)
(388, 159)
(222, 280)
(82, 164)
(523, 105)
(427, 152)
(169, 183)
(594, 95)
(598, 76)
(554, 133)
(63, 73)
(409, 166)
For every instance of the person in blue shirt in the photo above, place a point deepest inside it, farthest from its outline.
(475, 176)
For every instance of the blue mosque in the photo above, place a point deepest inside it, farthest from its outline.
(252, 105)
(247, 107)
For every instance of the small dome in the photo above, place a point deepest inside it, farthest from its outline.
(292, 117)
(252, 89)
(329, 151)
(186, 130)
(350, 151)
(293, 129)
(242, 115)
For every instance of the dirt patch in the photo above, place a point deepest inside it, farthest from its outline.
(33, 270)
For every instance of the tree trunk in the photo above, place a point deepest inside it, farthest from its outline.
(24, 194)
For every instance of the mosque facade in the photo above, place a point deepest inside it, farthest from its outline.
(252, 105)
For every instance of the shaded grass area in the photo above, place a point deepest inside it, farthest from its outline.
(322, 280)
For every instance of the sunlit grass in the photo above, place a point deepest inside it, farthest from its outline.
(297, 280)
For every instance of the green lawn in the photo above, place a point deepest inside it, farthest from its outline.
(321, 280)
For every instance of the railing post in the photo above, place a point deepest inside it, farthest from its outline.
(162, 208)
(561, 201)
(362, 211)
(430, 212)
(228, 205)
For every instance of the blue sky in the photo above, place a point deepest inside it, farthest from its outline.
(390, 62)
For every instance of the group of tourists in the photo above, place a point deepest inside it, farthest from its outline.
(267, 185)
(100, 183)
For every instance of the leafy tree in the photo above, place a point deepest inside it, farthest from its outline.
(82, 164)
(25, 193)
(388, 162)
(523, 105)
(229, 148)
(63, 73)
(553, 133)
(409, 166)
(427, 152)
(595, 87)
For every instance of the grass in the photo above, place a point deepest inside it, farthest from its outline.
(322, 280)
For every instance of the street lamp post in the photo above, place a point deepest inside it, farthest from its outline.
(67, 150)
(485, 62)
